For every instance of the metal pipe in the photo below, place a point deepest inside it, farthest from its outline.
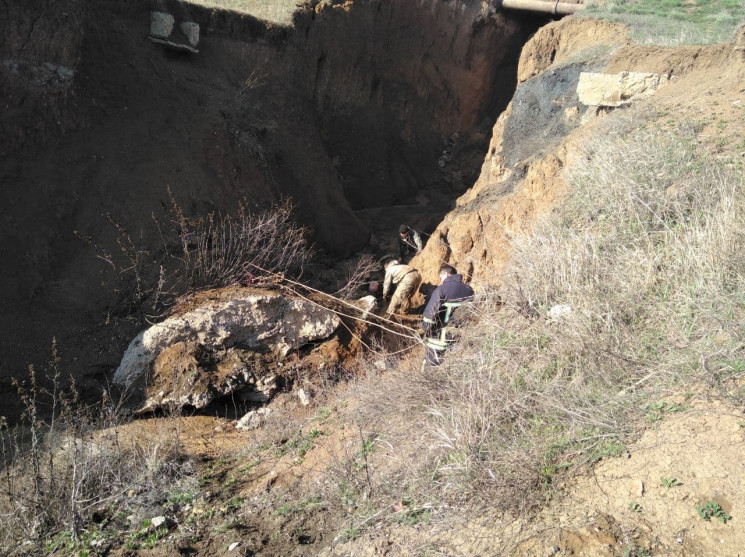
(554, 7)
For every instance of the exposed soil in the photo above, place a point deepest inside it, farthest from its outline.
(355, 135)
(103, 123)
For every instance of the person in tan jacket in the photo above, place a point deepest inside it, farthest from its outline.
(406, 280)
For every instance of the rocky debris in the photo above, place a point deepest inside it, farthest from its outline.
(368, 304)
(220, 347)
(613, 90)
(158, 521)
(259, 390)
(559, 311)
(303, 396)
(161, 24)
(55, 77)
(185, 374)
(253, 419)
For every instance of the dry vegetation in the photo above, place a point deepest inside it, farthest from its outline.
(198, 253)
(632, 288)
(70, 484)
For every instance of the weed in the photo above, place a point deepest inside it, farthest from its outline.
(349, 534)
(647, 260)
(230, 482)
(323, 414)
(635, 507)
(233, 504)
(611, 447)
(633, 550)
(712, 509)
(656, 411)
(228, 525)
(58, 476)
(302, 506)
(250, 466)
(181, 497)
(670, 482)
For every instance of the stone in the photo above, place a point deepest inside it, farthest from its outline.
(233, 546)
(303, 396)
(190, 31)
(158, 521)
(262, 390)
(266, 321)
(252, 420)
(161, 24)
(613, 90)
(367, 304)
(639, 491)
(179, 379)
(559, 311)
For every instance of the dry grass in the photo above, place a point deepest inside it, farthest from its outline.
(632, 288)
(67, 485)
(673, 22)
(279, 12)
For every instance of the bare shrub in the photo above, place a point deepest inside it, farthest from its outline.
(628, 289)
(220, 250)
(62, 468)
(247, 248)
(356, 274)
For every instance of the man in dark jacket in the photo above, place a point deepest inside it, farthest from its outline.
(438, 312)
(409, 243)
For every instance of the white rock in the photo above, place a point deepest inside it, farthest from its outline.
(367, 304)
(599, 89)
(191, 31)
(158, 521)
(161, 24)
(250, 421)
(559, 311)
(253, 320)
(304, 399)
(233, 546)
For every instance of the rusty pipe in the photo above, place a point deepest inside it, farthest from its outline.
(554, 7)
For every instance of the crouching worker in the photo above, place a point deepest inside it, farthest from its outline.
(406, 281)
(438, 313)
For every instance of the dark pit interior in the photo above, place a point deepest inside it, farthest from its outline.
(366, 115)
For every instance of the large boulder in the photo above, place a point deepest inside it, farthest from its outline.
(218, 344)
(612, 90)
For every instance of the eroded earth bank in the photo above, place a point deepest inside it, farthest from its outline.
(367, 114)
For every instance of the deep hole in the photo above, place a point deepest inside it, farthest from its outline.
(380, 116)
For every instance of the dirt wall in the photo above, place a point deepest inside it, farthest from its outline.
(521, 176)
(348, 110)
(39, 56)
